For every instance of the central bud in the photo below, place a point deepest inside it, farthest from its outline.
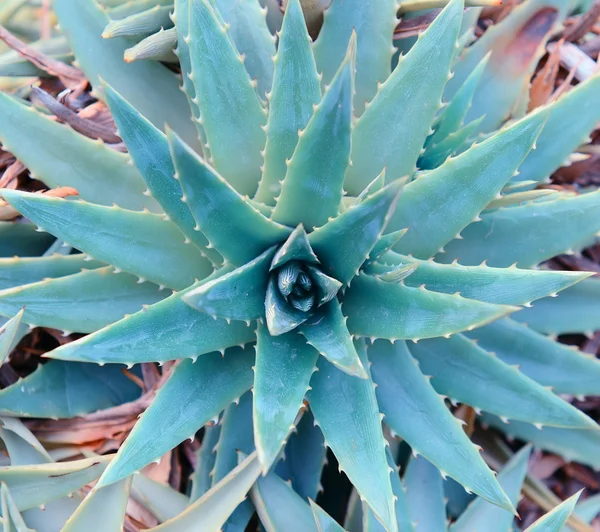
(297, 287)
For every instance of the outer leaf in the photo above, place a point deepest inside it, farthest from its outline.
(165, 331)
(343, 244)
(149, 150)
(22, 446)
(239, 295)
(304, 458)
(206, 456)
(574, 311)
(284, 365)
(468, 374)
(325, 523)
(21, 239)
(562, 136)
(529, 234)
(390, 310)
(231, 224)
(312, 188)
(103, 510)
(418, 414)
(147, 85)
(295, 91)
(162, 500)
(9, 336)
(18, 271)
(516, 45)
(236, 434)
(328, 334)
(374, 28)
(231, 112)
(140, 243)
(280, 508)
(210, 512)
(550, 363)
(204, 388)
(481, 515)
(555, 520)
(393, 129)
(67, 389)
(574, 445)
(33, 486)
(54, 513)
(99, 173)
(362, 458)
(459, 190)
(83, 302)
(509, 286)
(248, 31)
(425, 496)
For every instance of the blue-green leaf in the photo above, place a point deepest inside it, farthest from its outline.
(575, 310)
(508, 286)
(418, 414)
(328, 334)
(555, 520)
(325, 523)
(312, 188)
(550, 363)
(149, 150)
(231, 224)
(284, 365)
(362, 458)
(374, 27)
(161, 499)
(295, 91)
(343, 244)
(147, 85)
(165, 331)
(103, 509)
(461, 188)
(138, 242)
(425, 496)
(239, 295)
(60, 390)
(230, 110)
(18, 271)
(19, 238)
(61, 157)
(391, 132)
(204, 387)
(468, 374)
(380, 309)
(140, 24)
(304, 458)
(206, 456)
(528, 234)
(247, 28)
(82, 302)
(211, 511)
(10, 336)
(481, 515)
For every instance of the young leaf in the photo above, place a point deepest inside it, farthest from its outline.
(555, 520)
(9, 336)
(425, 496)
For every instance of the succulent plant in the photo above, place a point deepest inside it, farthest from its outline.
(307, 220)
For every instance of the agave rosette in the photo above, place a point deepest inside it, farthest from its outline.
(309, 239)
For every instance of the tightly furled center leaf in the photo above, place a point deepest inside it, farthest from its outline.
(297, 288)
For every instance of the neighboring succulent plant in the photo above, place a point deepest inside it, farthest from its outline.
(274, 264)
